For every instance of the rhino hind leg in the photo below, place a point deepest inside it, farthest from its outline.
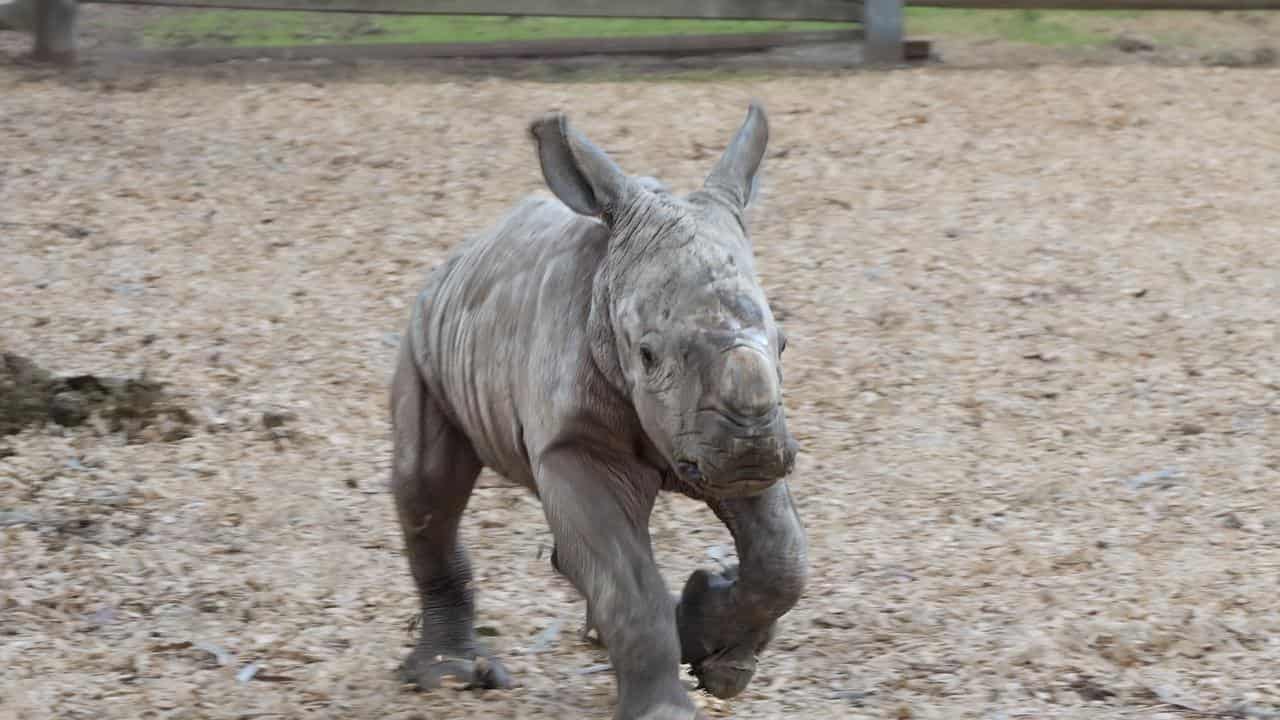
(434, 470)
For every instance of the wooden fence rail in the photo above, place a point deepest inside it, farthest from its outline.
(829, 10)
(53, 21)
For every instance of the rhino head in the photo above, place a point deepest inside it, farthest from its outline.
(678, 321)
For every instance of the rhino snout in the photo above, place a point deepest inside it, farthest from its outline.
(725, 461)
(749, 389)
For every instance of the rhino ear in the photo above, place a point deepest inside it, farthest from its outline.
(578, 172)
(735, 172)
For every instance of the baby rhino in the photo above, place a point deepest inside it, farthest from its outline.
(598, 348)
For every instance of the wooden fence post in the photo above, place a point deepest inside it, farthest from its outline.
(55, 31)
(882, 20)
(17, 15)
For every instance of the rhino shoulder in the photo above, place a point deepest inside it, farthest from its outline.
(545, 211)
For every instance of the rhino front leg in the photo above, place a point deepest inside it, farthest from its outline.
(726, 619)
(434, 470)
(598, 511)
(584, 633)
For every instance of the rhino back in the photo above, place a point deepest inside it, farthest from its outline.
(501, 329)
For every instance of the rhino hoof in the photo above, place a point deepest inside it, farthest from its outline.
(727, 673)
(428, 671)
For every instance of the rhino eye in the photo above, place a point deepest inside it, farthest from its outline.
(782, 342)
(647, 358)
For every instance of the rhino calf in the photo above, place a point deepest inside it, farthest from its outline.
(597, 348)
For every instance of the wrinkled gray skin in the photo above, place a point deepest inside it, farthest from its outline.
(598, 348)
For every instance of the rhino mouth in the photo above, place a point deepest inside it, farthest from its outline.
(742, 483)
(722, 456)
(689, 471)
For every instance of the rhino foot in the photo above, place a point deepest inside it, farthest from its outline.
(427, 671)
(720, 650)
(727, 673)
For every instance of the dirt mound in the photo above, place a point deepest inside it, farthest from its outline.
(31, 395)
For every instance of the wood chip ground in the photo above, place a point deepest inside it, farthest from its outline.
(1034, 364)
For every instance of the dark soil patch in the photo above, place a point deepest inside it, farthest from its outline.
(31, 395)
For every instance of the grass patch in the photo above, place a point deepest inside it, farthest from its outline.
(249, 28)
(1069, 28)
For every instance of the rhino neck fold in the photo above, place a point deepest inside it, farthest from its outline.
(604, 344)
